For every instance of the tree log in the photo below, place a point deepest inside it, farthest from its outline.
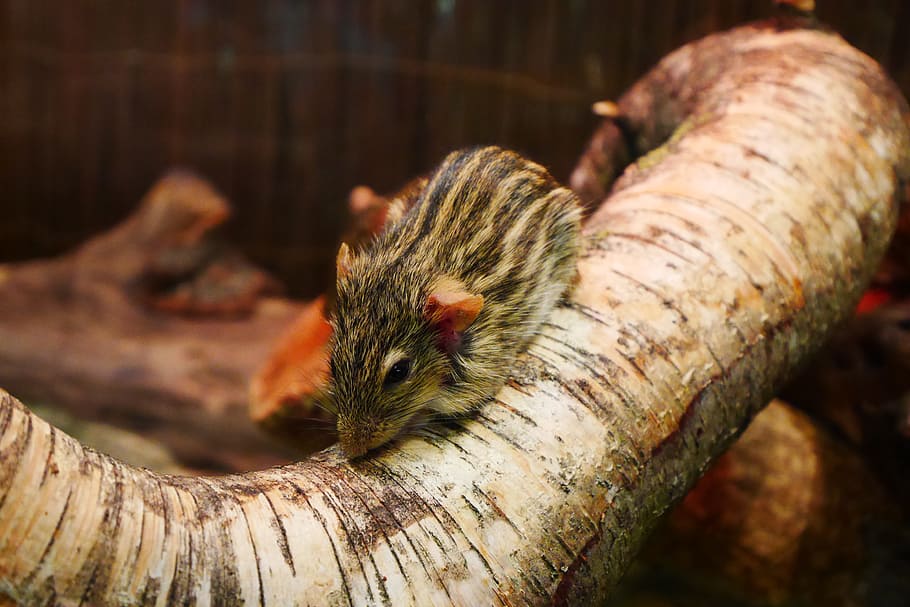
(788, 516)
(717, 266)
(859, 385)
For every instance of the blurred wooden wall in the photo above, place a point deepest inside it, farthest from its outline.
(285, 105)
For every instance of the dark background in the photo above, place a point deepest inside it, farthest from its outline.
(286, 105)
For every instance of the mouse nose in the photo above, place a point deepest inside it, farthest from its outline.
(353, 450)
(355, 438)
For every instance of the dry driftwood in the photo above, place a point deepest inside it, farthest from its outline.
(96, 329)
(719, 263)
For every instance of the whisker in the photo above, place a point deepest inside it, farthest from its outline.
(317, 420)
(324, 406)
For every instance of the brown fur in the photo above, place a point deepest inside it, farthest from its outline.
(493, 224)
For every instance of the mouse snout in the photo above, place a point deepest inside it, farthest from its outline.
(356, 438)
(353, 449)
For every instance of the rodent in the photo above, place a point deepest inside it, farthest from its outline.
(432, 312)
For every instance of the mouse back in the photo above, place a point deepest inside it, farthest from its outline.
(449, 294)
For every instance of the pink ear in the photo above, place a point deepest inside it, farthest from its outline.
(451, 309)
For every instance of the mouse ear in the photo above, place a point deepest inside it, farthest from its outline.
(343, 261)
(451, 308)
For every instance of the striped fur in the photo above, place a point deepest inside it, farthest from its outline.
(488, 218)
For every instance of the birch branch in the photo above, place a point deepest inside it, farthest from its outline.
(718, 265)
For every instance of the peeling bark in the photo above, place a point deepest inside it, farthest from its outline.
(716, 267)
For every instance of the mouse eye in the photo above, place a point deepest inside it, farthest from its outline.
(397, 373)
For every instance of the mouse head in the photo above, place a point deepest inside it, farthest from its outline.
(392, 349)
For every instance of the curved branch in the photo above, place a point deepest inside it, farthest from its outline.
(716, 267)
